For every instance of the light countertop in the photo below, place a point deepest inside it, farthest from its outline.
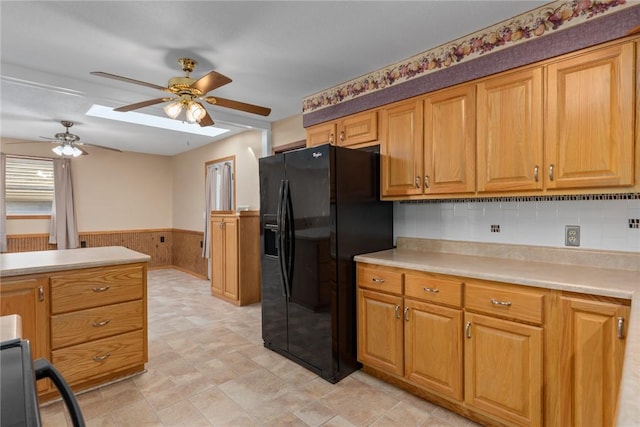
(22, 263)
(485, 263)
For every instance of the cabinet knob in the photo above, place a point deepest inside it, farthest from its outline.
(426, 181)
(406, 314)
(417, 182)
(467, 330)
(377, 280)
(102, 289)
(342, 136)
(397, 311)
(551, 172)
(331, 138)
(535, 173)
(41, 293)
(431, 290)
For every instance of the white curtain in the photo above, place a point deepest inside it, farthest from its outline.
(63, 229)
(225, 188)
(3, 205)
(210, 195)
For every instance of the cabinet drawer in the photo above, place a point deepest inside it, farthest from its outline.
(101, 357)
(94, 323)
(96, 287)
(509, 301)
(433, 289)
(380, 278)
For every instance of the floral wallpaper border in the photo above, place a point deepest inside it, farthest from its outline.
(554, 16)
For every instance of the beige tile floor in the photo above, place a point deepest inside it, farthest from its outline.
(208, 367)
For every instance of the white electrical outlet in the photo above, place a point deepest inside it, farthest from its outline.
(572, 235)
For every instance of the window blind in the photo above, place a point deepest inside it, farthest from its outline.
(28, 180)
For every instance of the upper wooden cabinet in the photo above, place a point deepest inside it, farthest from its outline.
(353, 130)
(401, 149)
(510, 150)
(589, 119)
(450, 141)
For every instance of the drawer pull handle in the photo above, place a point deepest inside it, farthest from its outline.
(621, 327)
(376, 280)
(102, 289)
(103, 323)
(467, 330)
(101, 358)
(397, 311)
(431, 290)
(406, 314)
(501, 303)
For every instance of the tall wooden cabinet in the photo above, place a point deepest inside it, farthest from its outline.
(29, 298)
(235, 256)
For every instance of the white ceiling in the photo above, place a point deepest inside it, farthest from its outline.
(276, 53)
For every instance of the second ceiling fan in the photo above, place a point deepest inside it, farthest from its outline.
(186, 92)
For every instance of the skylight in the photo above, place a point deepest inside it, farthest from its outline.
(153, 121)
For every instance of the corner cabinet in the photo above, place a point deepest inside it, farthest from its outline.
(235, 256)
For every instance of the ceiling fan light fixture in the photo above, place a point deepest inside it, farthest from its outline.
(58, 150)
(195, 112)
(173, 109)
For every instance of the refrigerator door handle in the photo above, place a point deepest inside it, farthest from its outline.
(290, 239)
(281, 237)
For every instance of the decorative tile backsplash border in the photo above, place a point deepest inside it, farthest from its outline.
(540, 22)
(615, 196)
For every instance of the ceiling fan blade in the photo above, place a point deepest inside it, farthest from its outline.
(128, 80)
(206, 120)
(97, 146)
(210, 81)
(141, 104)
(84, 153)
(237, 105)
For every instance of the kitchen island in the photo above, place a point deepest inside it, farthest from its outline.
(557, 276)
(85, 310)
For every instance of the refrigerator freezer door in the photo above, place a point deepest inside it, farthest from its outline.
(274, 305)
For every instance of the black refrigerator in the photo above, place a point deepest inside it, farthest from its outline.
(319, 207)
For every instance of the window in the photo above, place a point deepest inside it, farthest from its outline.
(29, 186)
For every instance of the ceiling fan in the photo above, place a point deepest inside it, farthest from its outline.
(186, 92)
(68, 143)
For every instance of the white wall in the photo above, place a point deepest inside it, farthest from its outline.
(604, 224)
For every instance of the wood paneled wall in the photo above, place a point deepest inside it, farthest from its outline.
(167, 247)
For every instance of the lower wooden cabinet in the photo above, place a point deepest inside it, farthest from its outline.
(235, 256)
(592, 351)
(503, 369)
(29, 298)
(495, 352)
(99, 323)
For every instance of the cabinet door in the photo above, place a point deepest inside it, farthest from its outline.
(503, 369)
(593, 351)
(401, 149)
(450, 141)
(230, 250)
(324, 133)
(510, 148)
(358, 129)
(589, 119)
(217, 256)
(380, 331)
(29, 299)
(433, 347)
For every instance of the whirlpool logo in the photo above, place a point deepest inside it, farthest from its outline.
(316, 155)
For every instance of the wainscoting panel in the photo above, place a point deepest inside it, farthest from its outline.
(186, 252)
(156, 243)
